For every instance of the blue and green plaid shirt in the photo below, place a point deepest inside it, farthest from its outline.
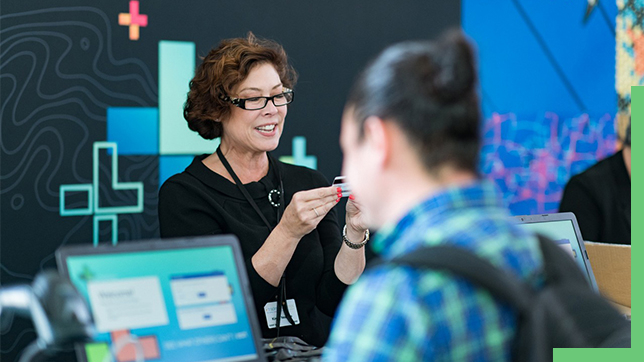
(397, 313)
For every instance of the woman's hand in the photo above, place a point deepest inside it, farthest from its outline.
(302, 215)
(350, 263)
(307, 209)
(354, 217)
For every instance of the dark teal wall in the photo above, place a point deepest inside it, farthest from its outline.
(63, 64)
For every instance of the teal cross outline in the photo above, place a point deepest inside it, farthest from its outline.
(106, 213)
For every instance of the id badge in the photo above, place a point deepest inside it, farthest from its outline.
(270, 309)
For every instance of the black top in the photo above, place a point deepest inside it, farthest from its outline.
(600, 198)
(199, 201)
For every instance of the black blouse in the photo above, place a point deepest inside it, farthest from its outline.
(600, 198)
(199, 201)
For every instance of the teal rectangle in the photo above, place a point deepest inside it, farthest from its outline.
(87, 210)
(170, 165)
(176, 69)
(134, 129)
(113, 219)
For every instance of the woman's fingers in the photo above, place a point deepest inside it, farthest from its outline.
(354, 216)
(324, 193)
(307, 208)
(315, 203)
(315, 197)
(329, 197)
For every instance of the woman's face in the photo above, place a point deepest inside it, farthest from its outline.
(258, 130)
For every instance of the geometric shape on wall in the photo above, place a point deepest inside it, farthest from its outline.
(176, 69)
(171, 165)
(112, 218)
(116, 185)
(133, 20)
(104, 213)
(134, 129)
(299, 157)
(87, 210)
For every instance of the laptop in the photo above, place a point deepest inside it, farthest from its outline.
(169, 300)
(564, 230)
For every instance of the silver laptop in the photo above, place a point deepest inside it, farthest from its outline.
(564, 230)
(169, 300)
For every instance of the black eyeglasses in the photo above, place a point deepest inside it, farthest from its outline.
(255, 103)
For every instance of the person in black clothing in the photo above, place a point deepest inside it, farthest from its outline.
(283, 215)
(600, 198)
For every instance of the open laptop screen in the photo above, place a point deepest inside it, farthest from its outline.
(562, 229)
(182, 300)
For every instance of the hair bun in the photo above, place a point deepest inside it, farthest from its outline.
(455, 73)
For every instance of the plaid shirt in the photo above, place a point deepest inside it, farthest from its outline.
(397, 313)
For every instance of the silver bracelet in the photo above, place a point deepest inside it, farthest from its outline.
(354, 245)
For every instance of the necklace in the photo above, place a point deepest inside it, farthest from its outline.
(274, 194)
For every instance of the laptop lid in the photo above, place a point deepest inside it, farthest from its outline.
(185, 299)
(564, 230)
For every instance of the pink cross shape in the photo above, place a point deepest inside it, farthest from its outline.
(133, 19)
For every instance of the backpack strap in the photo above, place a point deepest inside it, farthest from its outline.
(530, 340)
(557, 264)
(476, 270)
(565, 312)
(582, 317)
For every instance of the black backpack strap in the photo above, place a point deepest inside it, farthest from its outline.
(581, 312)
(557, 264)
(565, 310)
(500, 284)
(476, 270)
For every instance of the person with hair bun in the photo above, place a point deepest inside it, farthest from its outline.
(299, 262)
(410, 138)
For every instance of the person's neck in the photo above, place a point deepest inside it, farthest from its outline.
(627, 159)
(248, 166)
(409, 190)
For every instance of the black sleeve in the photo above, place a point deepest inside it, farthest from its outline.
(579, 199)
(181, 213)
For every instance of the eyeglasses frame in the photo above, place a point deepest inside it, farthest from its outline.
(241, 102)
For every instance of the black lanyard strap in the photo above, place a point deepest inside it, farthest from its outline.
(242, 188)
(281, 299)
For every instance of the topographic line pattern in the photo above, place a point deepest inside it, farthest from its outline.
(60, 70)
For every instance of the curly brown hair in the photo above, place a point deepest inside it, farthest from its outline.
(220, 71)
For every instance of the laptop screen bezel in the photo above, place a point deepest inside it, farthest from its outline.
(66, 251)
(565, 216)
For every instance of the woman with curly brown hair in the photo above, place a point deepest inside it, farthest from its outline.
(283, 215)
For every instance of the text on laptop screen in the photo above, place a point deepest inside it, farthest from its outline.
(180, 304)
(563, 233)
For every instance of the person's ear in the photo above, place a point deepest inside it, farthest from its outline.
(376, 138)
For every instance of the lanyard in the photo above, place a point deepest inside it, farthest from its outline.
(280, 210)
